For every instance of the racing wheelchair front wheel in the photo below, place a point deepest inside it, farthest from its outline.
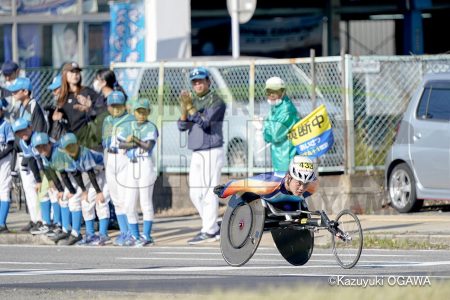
(241, 230)
(347, 239)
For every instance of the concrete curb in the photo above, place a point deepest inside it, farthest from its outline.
(321, 240)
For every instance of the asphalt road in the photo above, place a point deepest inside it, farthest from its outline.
(192, 269)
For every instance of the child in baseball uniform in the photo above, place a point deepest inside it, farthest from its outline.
(55, 162)
(116, 159)
(30, 175)
(139, 141)
(6, 148)
(95, 194)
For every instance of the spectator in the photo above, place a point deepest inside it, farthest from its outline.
(69, 196)
(29, 108)
(30, 174)
(78, 105)
(105, 83)
(57, 128)
(10, 71)
(139, 140)
(31, 111)
(95, 194)
(6, 148)
(282, 116)
(116, 162)
(202, 116)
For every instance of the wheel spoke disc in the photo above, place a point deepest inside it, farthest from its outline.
(240, 225)
(241, 231)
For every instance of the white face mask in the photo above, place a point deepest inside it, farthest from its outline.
(97, 86)
(274, 103)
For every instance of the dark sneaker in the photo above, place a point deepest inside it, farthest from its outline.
(53, 230)
(101, 241)
(88, 240)
(144, 241)
(36, 226)
(120, 240)
(202, 237)
(60, 236)
(131, 241)
(27, 227)
(71, 240)
(4, 229)
(39, 229)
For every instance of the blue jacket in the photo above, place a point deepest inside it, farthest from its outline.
(205, 126)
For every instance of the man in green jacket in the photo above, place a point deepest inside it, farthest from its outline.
(283, 115)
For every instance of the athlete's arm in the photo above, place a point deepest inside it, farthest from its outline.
(79, 180)
(33, 166)
(67, 183)
(93, 179)
(147, 146)
(51, 176)
(262, 184)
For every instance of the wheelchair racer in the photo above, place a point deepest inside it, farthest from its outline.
(297, 184)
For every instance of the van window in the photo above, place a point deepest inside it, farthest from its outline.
(434, 104)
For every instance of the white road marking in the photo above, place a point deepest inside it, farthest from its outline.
(159, 270)
(210, 269)
(275, 254)
(265, 260)
(29, 263)
(361, 275)
(196, 259)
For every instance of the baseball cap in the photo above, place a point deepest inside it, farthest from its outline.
(275, 83)
(68, 139)
(20, 124)
(21, 83)
(9, 67)
(142, 103)
(39, 138)
(56, 83)
(71, 66)
(115, 97)
(198, 73)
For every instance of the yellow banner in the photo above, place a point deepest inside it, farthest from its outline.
(313, 125)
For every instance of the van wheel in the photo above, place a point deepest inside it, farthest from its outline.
(402, 189)
(237, 156)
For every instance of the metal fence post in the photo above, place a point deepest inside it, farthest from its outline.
(160, 113)
(251, 103)
(349, 115)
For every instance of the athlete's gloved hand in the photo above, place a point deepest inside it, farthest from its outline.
(218, 190)
(131, 154)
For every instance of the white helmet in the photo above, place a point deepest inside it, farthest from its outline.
(275, 83)
(303, 168)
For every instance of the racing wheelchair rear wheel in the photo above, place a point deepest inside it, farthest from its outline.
(295, 245)
(347, 241)
(241, 230)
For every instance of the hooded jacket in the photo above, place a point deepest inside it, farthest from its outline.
(277, 124)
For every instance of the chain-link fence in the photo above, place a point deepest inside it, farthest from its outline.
(373, 90)
(382, 88)
(365, 104)
(241, 84)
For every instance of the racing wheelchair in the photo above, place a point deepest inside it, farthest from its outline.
(248, 216)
